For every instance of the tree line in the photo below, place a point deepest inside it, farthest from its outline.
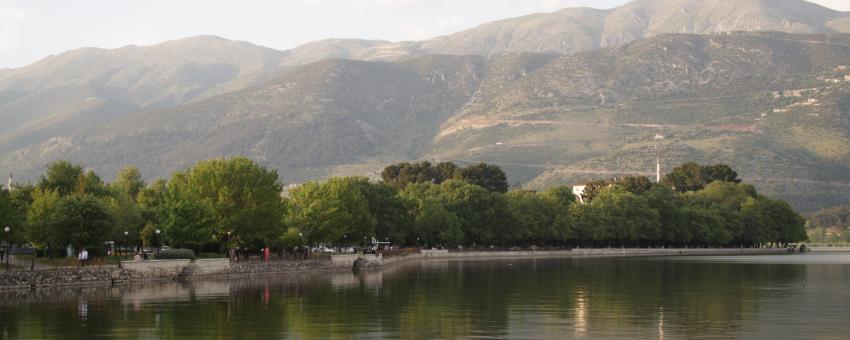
(224, 203)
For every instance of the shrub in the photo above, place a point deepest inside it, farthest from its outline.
(176, 254)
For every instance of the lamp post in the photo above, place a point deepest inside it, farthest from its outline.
(230, 253)
(158, 240)
(8, 244)
(126, 242)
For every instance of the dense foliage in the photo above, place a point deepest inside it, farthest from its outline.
(226, 203)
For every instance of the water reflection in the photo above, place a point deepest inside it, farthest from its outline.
(585, 298)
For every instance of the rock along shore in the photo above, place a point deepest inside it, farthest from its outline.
(182, 270)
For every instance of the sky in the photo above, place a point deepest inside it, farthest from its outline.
(33, 29)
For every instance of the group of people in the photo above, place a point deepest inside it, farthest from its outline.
(265, 253)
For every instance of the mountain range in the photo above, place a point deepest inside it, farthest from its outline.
(554, 98)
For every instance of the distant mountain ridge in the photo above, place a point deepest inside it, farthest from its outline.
(555, 98)
(574, 30)
(775, 106)
(92, 86)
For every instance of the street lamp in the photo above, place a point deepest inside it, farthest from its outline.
(8, 244)
(158, 241)
(126, 242)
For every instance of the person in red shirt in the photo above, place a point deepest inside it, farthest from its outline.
(266, 254)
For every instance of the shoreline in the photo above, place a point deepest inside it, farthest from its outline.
(222, 269)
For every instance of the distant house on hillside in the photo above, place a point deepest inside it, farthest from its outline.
(578, 192)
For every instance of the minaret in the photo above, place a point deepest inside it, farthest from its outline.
(658, 139)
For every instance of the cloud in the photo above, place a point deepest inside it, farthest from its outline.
(841, 5)
(11, 19)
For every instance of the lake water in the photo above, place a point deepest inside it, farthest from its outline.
(716, 297)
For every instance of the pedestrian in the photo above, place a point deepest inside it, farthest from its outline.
(2, 253)
(266, 254)
(84, 257)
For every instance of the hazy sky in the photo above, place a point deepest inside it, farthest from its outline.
(33, 29)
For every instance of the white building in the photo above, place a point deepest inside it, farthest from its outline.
(578, 192)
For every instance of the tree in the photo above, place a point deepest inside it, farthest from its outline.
(403, 174)
(623, 218)
(334, 211)
(61, 176)
(768, 220)
(186, 219)
(490, 177)
(684, 178)
(40, 217)
(719, 172)
(692, 177)
(126, 216)
(593, 188)
(562, 195)
(130, 182)
(90, 183)
(483, 215)
(436, 225)
(669, 207)
(634, 184)
(244, 197)
(80, 221)
(21, 198)
(392, 218)
(292, 238)
(10, 218)
(151, 201)
(444, 171)
(533, 219)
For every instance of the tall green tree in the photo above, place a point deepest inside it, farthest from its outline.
(61, 176)
(624, 218)
(82, 221)
(391, 214)
(534, 219)
(684, 178)
(245, 197)
(10, 218)
(335, 211)
(130, 181)
(40, 219)
(634, 184)
(434, 225)
(487, 176)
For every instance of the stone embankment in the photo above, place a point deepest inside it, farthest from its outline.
(173, 270)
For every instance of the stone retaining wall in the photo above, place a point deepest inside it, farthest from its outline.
(249, 268)
(170, 269)
(164, 269)
(211, 266)
(55, 278)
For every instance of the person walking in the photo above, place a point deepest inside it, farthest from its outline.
(266, 254)
(84, 257)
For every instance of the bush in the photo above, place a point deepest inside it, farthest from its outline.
(176, 254)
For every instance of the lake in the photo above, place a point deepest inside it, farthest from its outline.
(721, 297)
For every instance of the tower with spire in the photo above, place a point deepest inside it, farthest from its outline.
(658, 139)
(9, 184)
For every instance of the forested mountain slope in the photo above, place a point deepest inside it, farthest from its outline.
(774, 106)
